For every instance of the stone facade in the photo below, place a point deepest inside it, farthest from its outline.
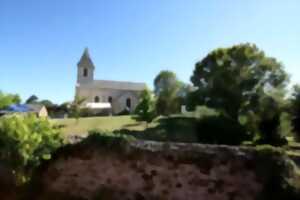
(120, 94)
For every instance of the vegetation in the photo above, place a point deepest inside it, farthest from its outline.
(166, 89)
(25, 141)
(280, 174)
(241, 82)
(108, 123)
(145, 109)
(76, 107)
(232, 79)
(32, 99)
(295, 110)
(8, 99)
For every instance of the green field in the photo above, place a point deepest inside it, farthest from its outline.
(108, 123)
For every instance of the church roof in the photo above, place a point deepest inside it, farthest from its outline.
(116, 85)
(86, 60)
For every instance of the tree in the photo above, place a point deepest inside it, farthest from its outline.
(76, 107)
(232, 79)
(32, 99)
(166, 89)
(295, 110)
(47, 103)
(8, 99)
(145, 110)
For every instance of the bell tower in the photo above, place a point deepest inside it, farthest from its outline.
(85, 68)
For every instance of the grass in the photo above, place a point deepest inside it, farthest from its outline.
(107, 123)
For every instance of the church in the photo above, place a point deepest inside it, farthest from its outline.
(100, 95)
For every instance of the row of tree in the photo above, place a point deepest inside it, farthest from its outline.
(241, 82)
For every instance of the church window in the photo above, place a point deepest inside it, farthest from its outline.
(128, 102)
(110, 99)
(97, 99)
(85, 72)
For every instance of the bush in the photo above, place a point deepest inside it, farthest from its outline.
(25, 141)
(124, 112)
(295, 111)
(221, 130)
(279, 173)
(270, 122)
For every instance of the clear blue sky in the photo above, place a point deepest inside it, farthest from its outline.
(41, 41)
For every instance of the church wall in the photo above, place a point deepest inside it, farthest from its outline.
(119, 97)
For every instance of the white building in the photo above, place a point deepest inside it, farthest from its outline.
(102, 94)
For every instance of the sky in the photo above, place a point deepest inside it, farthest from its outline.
(133, 40)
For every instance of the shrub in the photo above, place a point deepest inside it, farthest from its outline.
(145, 110)
(295, 111)
(221, 130)
(279, 173)
(270, 115)
(25, 141)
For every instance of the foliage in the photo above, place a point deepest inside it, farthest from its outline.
(221, 130)
(281, 180)
(145, 110)
(32, 99)
(26, 140)
(269, 122)
(101, 135)
(167, 89)
(295, 111)
(8, 99)
(169, 129)
(230, 79)
(208, 129)
(76, 107)
(124, 112)
(204, 111)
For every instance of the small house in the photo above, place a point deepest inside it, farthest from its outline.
(37, 109)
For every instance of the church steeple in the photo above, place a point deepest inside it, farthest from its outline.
(85, 72)
(86, 60)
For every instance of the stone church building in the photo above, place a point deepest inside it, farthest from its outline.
(116, 96)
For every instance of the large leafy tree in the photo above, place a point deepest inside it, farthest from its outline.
(8, 99)
(167, 89)
(232, 79)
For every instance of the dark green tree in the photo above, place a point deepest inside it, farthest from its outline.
(232, 79)
(167, 90)
(145, 110)
(32, 99)
(47, 103)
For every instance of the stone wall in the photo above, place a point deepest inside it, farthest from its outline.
(151, 170)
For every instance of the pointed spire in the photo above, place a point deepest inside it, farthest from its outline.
(85, 59)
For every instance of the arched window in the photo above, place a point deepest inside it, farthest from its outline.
(110, 99)
(85, 72)
(128, 103)
(97, 99)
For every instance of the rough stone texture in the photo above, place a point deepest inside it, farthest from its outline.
(152, 170)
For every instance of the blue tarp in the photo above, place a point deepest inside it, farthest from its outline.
(18, 108)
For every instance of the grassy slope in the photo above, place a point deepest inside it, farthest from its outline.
(109, 123)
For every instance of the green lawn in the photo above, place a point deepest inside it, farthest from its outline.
(107, 123)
